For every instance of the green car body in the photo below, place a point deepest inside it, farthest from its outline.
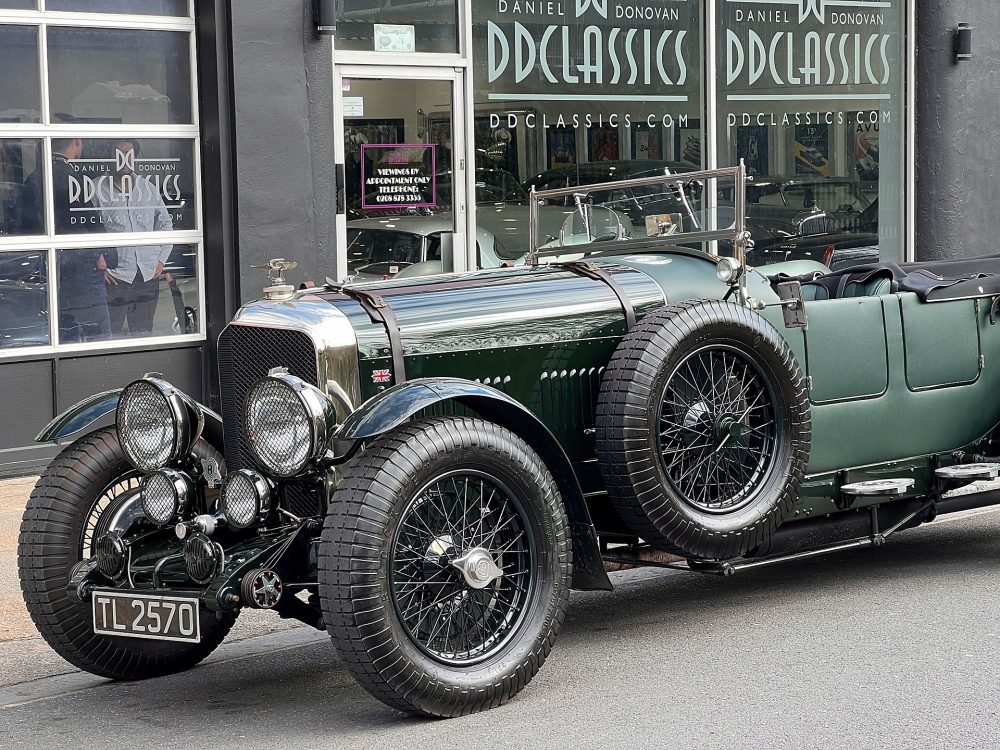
(897, 385)
(879, 380)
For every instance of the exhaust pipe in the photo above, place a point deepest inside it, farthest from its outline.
(820, 532)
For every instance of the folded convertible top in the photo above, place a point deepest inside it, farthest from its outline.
(932, 281)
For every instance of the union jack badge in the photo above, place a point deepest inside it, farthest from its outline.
(380, 376)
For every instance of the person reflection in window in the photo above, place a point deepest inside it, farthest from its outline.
(131, 203)
(83, 303)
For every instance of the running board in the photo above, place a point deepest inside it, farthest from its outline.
(926, 511)
(969, 472)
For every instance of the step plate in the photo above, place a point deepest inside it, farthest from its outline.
(878, 487)
(969, 472)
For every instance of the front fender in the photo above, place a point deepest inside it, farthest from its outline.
(89, 414)
(395, 406)
(97, 411)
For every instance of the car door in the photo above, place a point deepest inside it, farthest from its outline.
(941, 342)
(846, 349)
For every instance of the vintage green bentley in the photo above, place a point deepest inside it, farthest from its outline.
(426, 467)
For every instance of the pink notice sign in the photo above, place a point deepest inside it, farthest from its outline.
(398, 175)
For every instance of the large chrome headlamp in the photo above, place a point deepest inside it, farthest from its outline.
(157, 424)
(289, 423)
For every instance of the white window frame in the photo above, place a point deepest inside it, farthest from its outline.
(50, 243)
(454, 67)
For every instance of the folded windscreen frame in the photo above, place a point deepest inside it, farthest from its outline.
(702, 210)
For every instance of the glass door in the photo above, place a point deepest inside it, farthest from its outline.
(401, 177)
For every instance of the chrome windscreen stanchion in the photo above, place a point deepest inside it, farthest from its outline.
(532, 257)
(679, 232)
(742, 239)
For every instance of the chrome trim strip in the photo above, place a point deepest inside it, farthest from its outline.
(332, 335)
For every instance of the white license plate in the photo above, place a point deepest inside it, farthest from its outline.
(133, 615)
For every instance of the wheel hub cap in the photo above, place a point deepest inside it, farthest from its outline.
(478, 568)
(729, 426)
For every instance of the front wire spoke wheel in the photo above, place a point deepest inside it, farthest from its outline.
(102, 513)
(445, 566)
(465, 595)
(86, 491)
(718, 428)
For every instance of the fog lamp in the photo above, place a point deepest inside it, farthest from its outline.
(203, 558)
(165, 494)
(109, 552)
(245, 499)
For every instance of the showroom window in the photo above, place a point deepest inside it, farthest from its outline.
(811, 96)
(100, 216)
(576, 93)
(809, 93)
(397, 26)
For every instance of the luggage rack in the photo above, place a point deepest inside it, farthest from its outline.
(933, 506)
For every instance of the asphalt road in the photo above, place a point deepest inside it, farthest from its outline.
(894, 648)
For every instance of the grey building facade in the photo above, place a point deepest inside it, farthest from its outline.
(267, 133)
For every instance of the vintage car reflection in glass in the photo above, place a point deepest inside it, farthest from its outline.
(23, 300)
(426, 467)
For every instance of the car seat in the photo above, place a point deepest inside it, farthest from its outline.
(872, 285)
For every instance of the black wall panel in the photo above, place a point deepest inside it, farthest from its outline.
(957, 154)
(79, 377)
(33, 393)
(283, 100)
(26, 395)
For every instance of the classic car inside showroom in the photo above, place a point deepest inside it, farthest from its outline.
(402, 320)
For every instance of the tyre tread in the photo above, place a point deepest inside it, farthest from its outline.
(357, 616)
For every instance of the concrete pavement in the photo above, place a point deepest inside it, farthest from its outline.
(14, 621)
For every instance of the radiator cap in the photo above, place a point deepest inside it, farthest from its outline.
(276, 268)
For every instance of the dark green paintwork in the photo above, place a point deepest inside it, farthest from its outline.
(895, 381)
(903, 423)
(845, 349)
(98, 409)
(941, 341)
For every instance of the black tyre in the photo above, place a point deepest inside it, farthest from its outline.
(71, 504)
(445, 566)
(703, 429)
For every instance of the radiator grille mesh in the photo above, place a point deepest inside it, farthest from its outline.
(247, 353)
